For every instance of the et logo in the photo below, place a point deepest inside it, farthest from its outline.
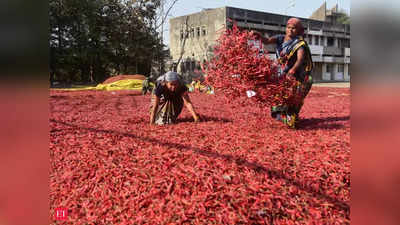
(61, 213)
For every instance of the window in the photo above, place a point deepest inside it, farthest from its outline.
(198, 66)
(198, 31)
(316, 40)
(330, 41)
(192, 65)
(322, 41)
(310, 37)
(346, 43)
(341, 68)
(192, 32)
(340, 42)
(204, 64)
(305, 38)
(187, 66)
(328, 68)
(203, 31)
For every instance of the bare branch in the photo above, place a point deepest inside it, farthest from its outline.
(166, 14)
(185, 35)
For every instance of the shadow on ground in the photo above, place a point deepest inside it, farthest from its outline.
(326, 123)
(258, 168)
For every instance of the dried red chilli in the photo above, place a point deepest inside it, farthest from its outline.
(108, 166)
(237, 67)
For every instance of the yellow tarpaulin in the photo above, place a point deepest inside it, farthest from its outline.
(128, 84)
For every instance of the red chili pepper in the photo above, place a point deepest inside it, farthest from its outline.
(107, 166)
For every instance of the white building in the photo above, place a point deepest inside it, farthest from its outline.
(192, 37)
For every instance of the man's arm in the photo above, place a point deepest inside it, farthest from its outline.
(155, 101)
(189, 106)
(299, 61)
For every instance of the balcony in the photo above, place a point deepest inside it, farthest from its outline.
(334, 51)
(316, 49)
(329, 59)
(260, 26)
(327, 50)
(314, 32)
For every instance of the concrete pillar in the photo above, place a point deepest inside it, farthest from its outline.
(335, 42)
(346, 72)
(325, 41)
(334, 71)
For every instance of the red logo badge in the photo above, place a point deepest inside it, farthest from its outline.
(61, 213)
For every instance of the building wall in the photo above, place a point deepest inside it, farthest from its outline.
(345, 72)
(198, 46)
(332, 72)
(317, 71)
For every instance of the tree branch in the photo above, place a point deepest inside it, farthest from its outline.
(184, 40)
(166, 14)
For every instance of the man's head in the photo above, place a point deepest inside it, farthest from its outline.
(172, 80)
(294, 28)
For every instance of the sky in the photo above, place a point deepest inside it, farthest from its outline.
(295, 8)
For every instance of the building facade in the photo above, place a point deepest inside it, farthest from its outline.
(193, 36)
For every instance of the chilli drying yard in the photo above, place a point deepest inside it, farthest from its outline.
(236, 166)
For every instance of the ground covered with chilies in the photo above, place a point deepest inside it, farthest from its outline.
(237, 166)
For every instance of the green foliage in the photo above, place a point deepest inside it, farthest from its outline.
(344, 19)
(93, 39)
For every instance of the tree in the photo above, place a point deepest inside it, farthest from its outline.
(344, 18)
(90, 40)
